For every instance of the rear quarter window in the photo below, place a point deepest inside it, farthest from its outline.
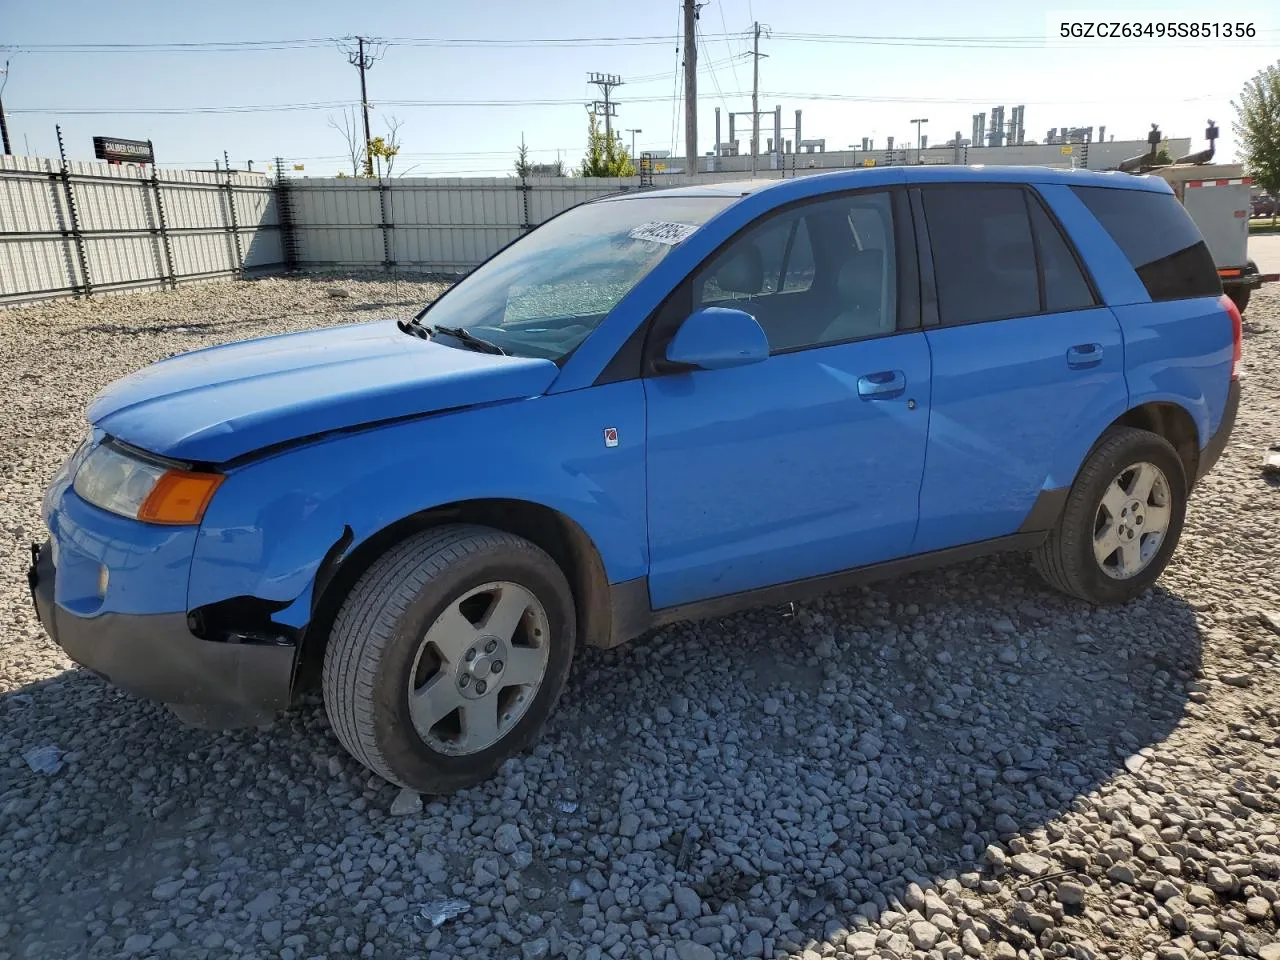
(1159, 238)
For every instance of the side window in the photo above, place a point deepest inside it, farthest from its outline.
(865, 268)
(824, 272)
(984, 262)
(751, 267)
(1158, 236)
(1065, 286)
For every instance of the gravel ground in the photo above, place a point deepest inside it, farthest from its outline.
(956, 764)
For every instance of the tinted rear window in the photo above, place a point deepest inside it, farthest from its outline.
(1159, 238)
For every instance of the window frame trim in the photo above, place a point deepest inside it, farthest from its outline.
(1036, 197)
(928, 283)
(926, 250)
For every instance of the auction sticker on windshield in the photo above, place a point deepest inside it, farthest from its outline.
(662, 231)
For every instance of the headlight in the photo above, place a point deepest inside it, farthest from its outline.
(132, 486)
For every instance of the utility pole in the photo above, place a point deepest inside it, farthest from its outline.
(919, 123)
(690, 87)
(606, 107)
(363, 62)
(755, 98)
(4, 127)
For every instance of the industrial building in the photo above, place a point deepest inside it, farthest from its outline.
(996, 141)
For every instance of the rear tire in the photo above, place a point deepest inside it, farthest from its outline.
(1121, 522)
(1240, 297)
(448, 656)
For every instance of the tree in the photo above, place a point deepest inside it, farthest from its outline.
(349, 127)
(605, 157)
(1257, 128)
(1163, 156)
(391, 143)
(381, 150)
(523, 166)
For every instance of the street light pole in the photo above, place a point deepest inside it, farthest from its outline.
(633, 133)
(920, 122)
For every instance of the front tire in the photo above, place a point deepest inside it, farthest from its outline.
(448, 656)
(1121, 522)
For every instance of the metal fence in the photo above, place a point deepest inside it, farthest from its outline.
(78, 229)
(443, 225)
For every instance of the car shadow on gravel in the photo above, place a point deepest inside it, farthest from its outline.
(796, 767)
(910, 724)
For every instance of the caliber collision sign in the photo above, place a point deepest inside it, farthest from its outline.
(116, 150)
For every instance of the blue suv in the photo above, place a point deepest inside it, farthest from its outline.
(653, 407)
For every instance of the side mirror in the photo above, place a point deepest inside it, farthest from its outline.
(714, 338)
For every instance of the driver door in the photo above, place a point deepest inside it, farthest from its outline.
(809, 462)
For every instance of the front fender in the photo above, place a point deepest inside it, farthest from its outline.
(273, 521)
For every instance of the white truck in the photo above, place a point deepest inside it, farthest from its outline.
(1217, 195)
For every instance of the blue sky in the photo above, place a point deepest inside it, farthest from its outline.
(1125, 85)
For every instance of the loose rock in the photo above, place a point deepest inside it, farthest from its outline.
(773, 785)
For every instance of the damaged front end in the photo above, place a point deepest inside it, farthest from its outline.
(280, 624)
(157, 655)
(113, 591)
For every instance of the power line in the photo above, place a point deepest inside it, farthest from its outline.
(241, 46)
(968, 41)
(675, 91)
(163, 111)
(554, 102)
(989, 42)
(211, 46)
(649, 41)
(715, 82)
(706, 67)
(725, 25)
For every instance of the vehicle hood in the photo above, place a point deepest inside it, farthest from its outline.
(218, 403)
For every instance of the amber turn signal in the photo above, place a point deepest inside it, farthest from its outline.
(179, 497)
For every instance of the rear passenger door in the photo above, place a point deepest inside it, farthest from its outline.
(1025, 360)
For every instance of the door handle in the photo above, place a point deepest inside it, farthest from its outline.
(1084, 355)
(884, 385)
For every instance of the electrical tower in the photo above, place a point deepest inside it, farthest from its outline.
(605, 108)
(363, 58)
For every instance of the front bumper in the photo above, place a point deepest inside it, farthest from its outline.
(1218, 442)
(156, 656)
